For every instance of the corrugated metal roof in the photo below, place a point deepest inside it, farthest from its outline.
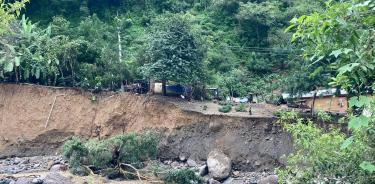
(320, 93)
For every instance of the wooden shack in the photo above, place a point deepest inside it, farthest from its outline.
(328, 100)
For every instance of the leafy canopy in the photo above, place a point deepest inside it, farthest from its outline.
(340, 39)
(8, 12)
(174, 54)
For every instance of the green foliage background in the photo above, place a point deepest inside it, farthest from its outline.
(240, 44)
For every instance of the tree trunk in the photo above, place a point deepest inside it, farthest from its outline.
(313, 105)
(258, 37)
(119, 45)
(16, 73)
(164, 87)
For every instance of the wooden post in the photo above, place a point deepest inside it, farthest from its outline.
(313, 104)
(164, 87)
(50, 111)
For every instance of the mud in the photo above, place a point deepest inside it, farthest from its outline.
(253, 143)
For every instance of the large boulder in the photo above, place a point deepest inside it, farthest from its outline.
(56, 178)
(219, 165)
(58, 168)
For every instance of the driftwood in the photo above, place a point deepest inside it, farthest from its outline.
(137, 174)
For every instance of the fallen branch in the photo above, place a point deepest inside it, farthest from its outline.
(128, 165)
(140, 177)
(88, 169)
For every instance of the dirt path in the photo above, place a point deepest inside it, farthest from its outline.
(210, 108)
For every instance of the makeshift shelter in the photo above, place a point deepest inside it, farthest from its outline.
(329, 100)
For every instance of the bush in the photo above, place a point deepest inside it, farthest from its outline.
(224, 103)
(286, 116)
(323, 156)
(134, 148)
(73, 151)
(130, 148)
(100, 154)
(225, 109)
(324, 116)
(241, 108)
(182, 176)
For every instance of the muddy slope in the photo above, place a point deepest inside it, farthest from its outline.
(253, 143)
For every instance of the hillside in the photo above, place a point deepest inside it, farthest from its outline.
(80, 79)
(25, 110)
(239, 46)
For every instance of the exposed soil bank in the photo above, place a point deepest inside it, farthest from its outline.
(252, 143)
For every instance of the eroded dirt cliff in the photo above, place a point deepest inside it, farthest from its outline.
(25, 130)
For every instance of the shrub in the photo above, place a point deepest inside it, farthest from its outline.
(225, 109)
(182, 176)
(286, 117)
(99, 153)
(134, 148)
(225, 103)
(130, 148)
(73, 151)
(324, 116)
(323, 156)
(241, 108)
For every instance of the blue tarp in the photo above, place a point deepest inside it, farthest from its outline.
(178, 89)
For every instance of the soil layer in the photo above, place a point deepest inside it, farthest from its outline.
(36, 120)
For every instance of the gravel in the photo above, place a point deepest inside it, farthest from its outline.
(28, 164)
(37, 164)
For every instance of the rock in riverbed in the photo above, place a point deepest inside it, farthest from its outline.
(212, 181)
(272, 179)
(191, 163)
(56, 178)
(219, 165)
(39, 180)
(203, 170)
(58, 168)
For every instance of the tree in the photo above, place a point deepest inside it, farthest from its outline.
(8, 12)
(174, 55)
(338, 43)
(255, 20)
(342, 39)
(306, 78)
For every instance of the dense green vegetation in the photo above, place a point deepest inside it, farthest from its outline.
(182, 176)
(8, 12)
(123, 156)
(337, 42)
(323, 156)
(110, 153)
(239, 46)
